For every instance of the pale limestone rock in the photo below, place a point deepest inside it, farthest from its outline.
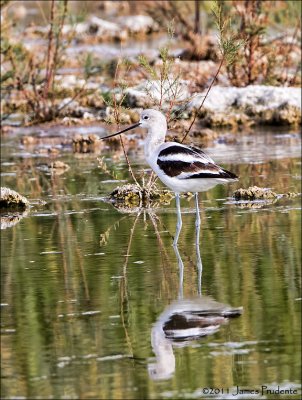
(139, 24)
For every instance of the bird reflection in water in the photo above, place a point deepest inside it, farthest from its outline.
(184, 321)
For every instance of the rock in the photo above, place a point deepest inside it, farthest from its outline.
(52, 152)
(105, 30)
(132, 195)
(59, 165)
(71, 108)
(86, 143)
(103, 26)
(94, 100)
(58, 168)
(262, 104)
(78, 29)
(254, 193)
(147, 93)
(36, 29)
(228, 119)
(45, 141)
(88, 115)
(68, 121)
(139, 24)
(17, 12)
(6, 129)
(69, 82)
(291, 195)
(204, 135)
(68, 102)
(89, 139)
(29, 140)
(12, 199)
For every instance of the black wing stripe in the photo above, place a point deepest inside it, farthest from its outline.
(224, 174)
(174, 168)
(196, 169)
(175, 150)
(182, 150)
(229, 174)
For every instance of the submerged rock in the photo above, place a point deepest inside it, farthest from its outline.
(11, 199)
(58, 167)
(254, 193)
(132, 195)
(86, 143)
(255, 197)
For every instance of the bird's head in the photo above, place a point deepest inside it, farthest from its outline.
(149, 119)
(152, 118)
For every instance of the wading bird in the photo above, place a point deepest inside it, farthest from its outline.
(182, 168)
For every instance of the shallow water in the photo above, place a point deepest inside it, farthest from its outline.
(85, 285)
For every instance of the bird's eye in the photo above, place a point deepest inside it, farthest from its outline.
(146, 117)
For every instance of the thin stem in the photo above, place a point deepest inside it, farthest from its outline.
(49, 49)
(57, 45)
(116, 108)
(128, 163)
(204, 99)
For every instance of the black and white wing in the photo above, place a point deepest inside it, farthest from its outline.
(184, 162)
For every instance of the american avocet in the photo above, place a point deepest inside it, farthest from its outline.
(181, 168)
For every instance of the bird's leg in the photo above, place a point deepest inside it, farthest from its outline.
(199, 266)
(181, 272)
(198, 257)
(179, 221)
(197, 221)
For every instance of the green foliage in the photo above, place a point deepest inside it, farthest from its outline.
(106, 169)
(143, 61)
(32, 78)
(88, 65)
(164, 80)
(249, 48)
(229, 43)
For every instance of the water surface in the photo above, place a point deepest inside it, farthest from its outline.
(83, 284)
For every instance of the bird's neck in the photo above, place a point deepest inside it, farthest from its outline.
(153, 140)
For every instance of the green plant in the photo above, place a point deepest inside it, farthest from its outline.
(229, 46)
(163, 87)
(189, 26)
(30, 78)
(264, 57)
